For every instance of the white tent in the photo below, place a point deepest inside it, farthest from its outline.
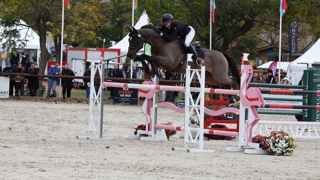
(31, 37)
(124, 43)
(283, 65)
(32, 47)
(296, 67)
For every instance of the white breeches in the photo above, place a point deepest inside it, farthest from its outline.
(189, 37)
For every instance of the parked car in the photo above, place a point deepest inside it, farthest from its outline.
(52, 50)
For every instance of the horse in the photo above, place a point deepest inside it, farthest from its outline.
(169, 55)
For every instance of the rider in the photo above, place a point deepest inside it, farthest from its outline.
(185, 32)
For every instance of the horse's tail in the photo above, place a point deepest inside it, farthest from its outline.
(233, 67)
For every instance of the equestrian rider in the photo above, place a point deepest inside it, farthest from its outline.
(185, 32)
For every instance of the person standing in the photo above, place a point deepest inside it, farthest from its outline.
(33, 82)
(87, 81)
(14, 60)
(17, 79)
(116, 73)
(67, 82)
(52, 81)
(25, 61)
(270, 78)
(128, 73)
(8, 69)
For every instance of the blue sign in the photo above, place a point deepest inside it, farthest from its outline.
(270, 53)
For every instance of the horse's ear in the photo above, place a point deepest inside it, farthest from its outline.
(134, 29)
(130, 30)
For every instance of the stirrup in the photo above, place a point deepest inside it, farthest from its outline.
(199, 61)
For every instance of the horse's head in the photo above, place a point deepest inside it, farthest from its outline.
(135, 43)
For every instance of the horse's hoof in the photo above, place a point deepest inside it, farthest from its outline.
(199, 61)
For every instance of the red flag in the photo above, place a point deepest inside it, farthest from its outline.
(213, 7)
(67, 4)
(284, 5)
(102, 53)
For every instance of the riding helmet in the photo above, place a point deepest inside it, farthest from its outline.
(166, 18)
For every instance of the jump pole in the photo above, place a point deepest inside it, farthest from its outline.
(205, 131)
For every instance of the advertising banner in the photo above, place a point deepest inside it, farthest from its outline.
(4, 87)
(125, 95)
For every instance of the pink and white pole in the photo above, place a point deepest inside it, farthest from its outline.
(205, 131)
(169, 88)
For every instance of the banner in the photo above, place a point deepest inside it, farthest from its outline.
(4, 87)
(273, 67)
(293, 40)
(125, 95)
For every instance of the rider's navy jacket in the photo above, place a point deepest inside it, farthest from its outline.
(176, 29)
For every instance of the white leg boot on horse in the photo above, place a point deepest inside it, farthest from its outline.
(192, 50)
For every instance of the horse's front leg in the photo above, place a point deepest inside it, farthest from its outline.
(144, 64)
(149, 59)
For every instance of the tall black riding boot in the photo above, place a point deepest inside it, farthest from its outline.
(199, 61)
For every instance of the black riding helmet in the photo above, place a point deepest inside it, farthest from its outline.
(166, 18)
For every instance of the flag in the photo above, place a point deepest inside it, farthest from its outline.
(102, 53)
(283, 6)
(213, 7)
(67, 4)
(135, 6)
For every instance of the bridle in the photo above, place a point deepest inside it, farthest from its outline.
(139, 37)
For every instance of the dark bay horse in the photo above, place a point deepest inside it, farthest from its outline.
(170, 56)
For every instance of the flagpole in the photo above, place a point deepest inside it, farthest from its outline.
(280, 38)
(132, 22)
(210, 25)
(61, 49)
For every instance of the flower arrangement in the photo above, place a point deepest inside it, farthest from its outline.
(143, 127)
(278, 143)
(169, 132)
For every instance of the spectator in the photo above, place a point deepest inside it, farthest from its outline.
(25, 61)
(18, 80)
(286, 81)
(87, 81)
(270, 78)
(128, 73)
(52, 81)
(116, 73)
(33, 82)
(260, 78)
(67, 82)
(8, 69)
(14, 60)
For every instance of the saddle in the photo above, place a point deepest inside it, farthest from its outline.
(194, 44)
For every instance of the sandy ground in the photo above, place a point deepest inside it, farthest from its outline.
(38, 141)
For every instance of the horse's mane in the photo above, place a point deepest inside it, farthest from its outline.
(148, 26)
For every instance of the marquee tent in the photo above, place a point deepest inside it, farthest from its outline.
(296, 67)
(124, 43)
(283, 65)
(32, 47)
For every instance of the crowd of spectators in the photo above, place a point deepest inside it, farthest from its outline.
(270, 78)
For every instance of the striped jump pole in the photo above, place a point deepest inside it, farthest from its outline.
(168, 88)
(205, 131)
(289, 92)
(290, 106)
